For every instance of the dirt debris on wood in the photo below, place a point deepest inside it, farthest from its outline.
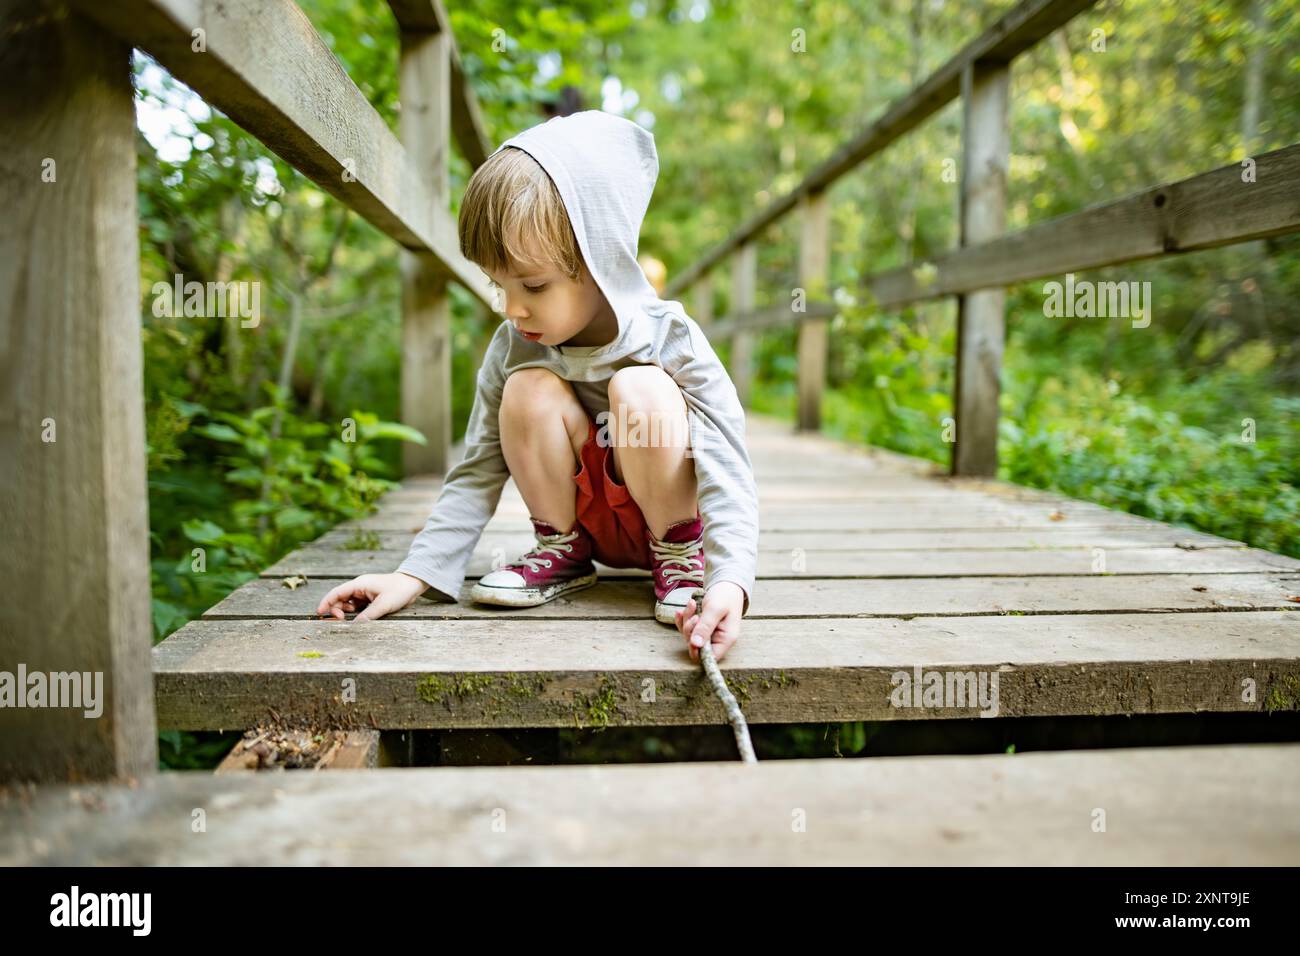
(286, 748)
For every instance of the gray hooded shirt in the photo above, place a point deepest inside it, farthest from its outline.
(604, 168)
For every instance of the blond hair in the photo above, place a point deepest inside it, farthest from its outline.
(511, 206)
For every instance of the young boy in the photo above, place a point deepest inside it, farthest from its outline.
(605, 403)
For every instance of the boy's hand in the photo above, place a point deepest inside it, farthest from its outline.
(374, 595)
(719, 622)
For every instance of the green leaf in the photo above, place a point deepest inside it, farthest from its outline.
(293, 518)
(393, 431)
(202, 531)
(220, 432)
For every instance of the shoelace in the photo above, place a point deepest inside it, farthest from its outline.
(680, 553)
(555, 544)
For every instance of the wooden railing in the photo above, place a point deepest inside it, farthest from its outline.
(73, 428)
(1213, 209)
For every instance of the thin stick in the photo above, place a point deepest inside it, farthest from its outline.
(734, 715)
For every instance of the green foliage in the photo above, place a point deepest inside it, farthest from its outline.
(249, 488)
(181, 750)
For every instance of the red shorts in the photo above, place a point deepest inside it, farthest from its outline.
(607, 511)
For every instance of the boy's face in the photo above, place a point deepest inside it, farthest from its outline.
(546, 306)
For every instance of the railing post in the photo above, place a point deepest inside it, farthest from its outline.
(74, 505)
(744, 274)
(426, 307)
(981, 315)
(814, 278)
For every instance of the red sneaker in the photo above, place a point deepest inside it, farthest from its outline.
(559, 564)
(678, 566)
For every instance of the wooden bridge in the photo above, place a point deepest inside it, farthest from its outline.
(872, 564)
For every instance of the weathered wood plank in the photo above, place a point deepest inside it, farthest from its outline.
(426, 384)
(430, 16)
(1201, 212)
(822, 597)
(514, 537)
(265, 66)
(72, 443)
(813, 517)
(1184, 806)
(536, 673)
(814, 277)
(744, 281)
(858, 563)
(981, 315)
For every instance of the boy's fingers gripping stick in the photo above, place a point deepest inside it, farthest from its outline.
(734, 715)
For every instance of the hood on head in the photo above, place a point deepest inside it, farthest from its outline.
(604, 168)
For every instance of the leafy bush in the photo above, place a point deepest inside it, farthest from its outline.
(236, 492)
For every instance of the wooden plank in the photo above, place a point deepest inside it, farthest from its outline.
(795, 517)
(771, 440)
(1016, 31)
(773, 317)
(847, 513)
(266, 67)
(771, 539)
(267, 598)
(744, 278)
(537, 673)
(72, 443)
(426, 305)
(981, 316)
(1201, 212)
(814, 278)
(416, 16)
(1183, 806)
(858, 563)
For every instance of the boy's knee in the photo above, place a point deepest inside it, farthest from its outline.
(531, 390)
(642, 385)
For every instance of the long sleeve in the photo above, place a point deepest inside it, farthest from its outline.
(471, 490)
(728, 495)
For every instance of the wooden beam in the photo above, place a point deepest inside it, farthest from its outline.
(772, 317)
(1212, 209)
(863, 596)
(814, 278)
(426, 306)
(1165, 806)
(415, 16)
(744, 276)
(981, 333)
(72, 436)
(1015, 32)
(468, 673)
(266, 67)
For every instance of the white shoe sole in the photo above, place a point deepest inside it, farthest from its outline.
(667, 613)
(529, 597)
